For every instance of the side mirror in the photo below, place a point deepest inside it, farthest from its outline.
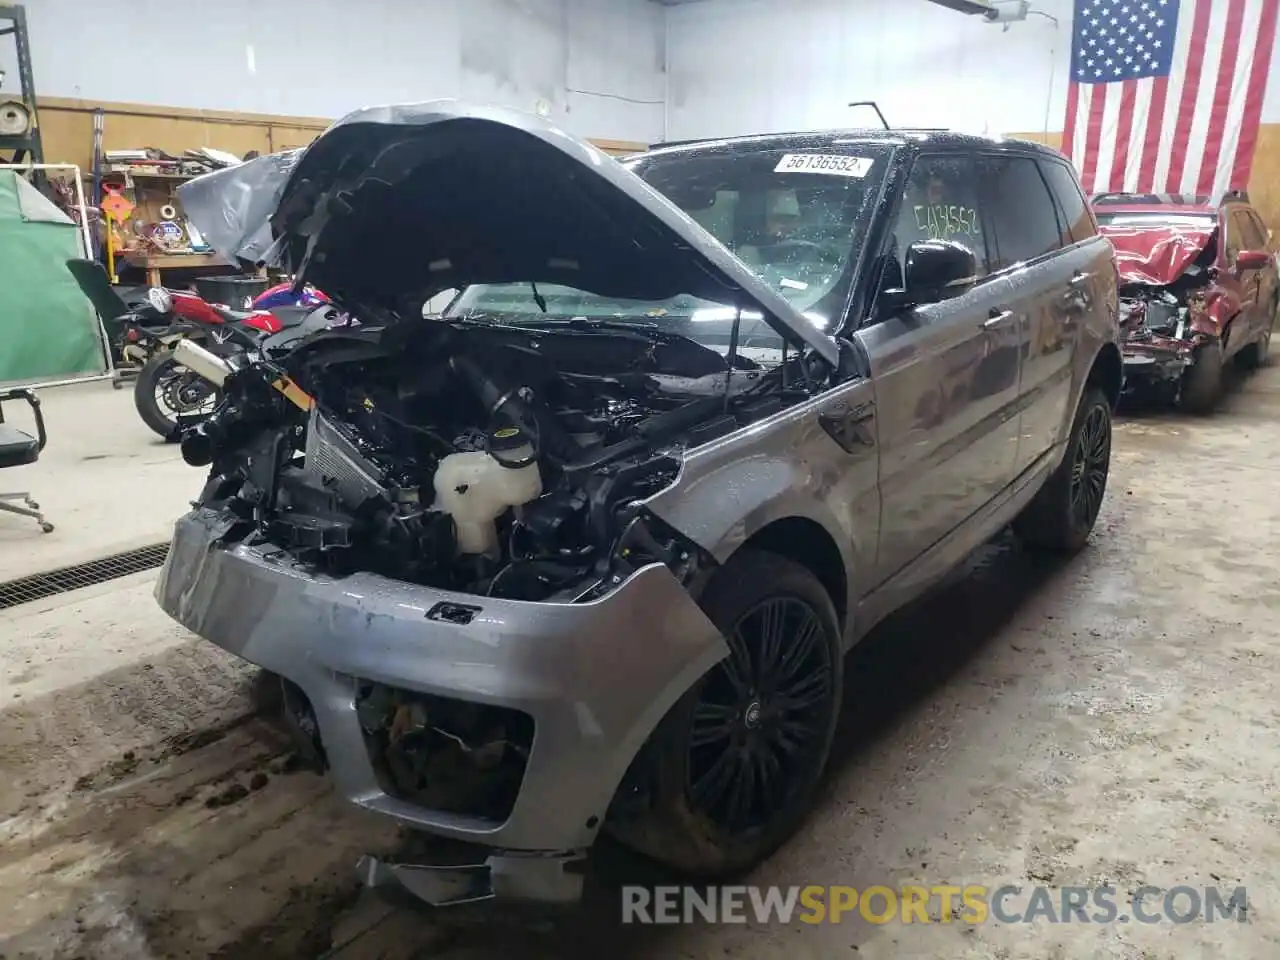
(938, 270)
(1252, 259)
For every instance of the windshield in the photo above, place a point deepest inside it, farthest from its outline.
(796, 219)
(1154, 220)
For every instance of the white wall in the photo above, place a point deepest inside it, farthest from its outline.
(8, 65)
(760, 65)
(742, 66)
(325, 57)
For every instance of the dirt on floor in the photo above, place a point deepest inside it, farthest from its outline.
(1109, 721)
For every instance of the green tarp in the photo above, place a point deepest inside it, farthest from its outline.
(47, 328)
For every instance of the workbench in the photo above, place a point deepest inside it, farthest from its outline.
(153, 263)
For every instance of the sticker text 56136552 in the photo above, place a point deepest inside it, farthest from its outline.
(833, 165)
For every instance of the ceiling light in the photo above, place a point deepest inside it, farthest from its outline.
(965, 6)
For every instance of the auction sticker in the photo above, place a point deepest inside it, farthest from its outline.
(832, 165)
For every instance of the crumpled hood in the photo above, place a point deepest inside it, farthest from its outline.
(1156, 255)
(232, 207)
(394, 204)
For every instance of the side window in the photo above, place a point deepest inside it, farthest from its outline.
(1020, 211)
(1071, 202)
(1250, 237)
(940, 202)
(1261, 227)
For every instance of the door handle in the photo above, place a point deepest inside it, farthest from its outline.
(1080, 279)
(997, 318)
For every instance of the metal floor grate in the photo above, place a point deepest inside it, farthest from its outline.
(64, 580)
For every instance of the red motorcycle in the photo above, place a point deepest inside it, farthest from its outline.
(147, 333)
(166, 390)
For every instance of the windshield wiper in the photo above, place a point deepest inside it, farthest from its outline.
(603, 323)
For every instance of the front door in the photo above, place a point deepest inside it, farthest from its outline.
(946, 376)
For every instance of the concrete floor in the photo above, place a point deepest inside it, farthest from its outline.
(105, 481)
(1108, 720)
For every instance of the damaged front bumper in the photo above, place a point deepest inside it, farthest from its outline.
(593, 678)
(1156, 357)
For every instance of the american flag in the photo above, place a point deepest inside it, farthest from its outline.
(1166, 95)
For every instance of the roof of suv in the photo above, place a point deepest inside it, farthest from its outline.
(812, 139)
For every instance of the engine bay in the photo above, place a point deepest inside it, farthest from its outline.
(1174, 310)
(474, 456)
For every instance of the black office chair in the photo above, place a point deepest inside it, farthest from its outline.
(18, 449)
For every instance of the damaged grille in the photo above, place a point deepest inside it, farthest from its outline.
(1163, 317)
(467, 759)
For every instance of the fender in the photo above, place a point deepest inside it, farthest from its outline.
(1220, 308)
(725, 506)
(722, 508)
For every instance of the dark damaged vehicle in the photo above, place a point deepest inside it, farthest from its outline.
(1198, 288)
(584, 551)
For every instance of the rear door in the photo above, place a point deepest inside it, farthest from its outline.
(1053, 282)
(946, 375)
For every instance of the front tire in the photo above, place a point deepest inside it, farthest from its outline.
(1063, 513)
(1202, 383)
(736, 761)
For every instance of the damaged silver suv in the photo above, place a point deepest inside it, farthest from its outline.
(584, 551)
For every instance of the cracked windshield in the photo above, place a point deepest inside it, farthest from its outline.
(796, 219)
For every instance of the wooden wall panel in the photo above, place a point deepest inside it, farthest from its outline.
(66, 127)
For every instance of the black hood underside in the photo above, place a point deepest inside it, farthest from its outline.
(395, 204)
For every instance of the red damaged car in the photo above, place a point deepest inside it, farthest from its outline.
(1198, 287)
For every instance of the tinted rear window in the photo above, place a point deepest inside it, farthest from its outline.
(1071, 202)
(1020, 210)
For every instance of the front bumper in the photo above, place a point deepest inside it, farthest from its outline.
(1158, 358)
(594, 677)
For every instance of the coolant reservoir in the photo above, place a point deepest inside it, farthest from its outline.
(475, 488)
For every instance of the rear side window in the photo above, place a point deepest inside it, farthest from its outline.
(1071, 202)
(1020, 210)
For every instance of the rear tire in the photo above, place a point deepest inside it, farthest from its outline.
(1202, 382)
(1063, 513)
(144, 395)
(733, 767)
(150, 376)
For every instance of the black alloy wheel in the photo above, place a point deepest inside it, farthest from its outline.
(165, 390)
(732, 769)
(183, 392)
(1090, 463)
(759, 726)
(1061, 516)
